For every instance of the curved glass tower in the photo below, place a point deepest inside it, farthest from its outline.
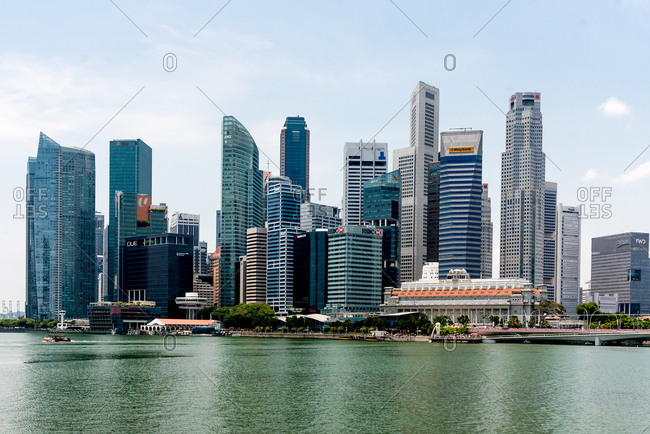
(242, 204)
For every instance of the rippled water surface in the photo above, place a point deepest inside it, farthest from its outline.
(190, 384)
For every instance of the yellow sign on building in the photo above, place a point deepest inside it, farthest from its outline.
(461, 150)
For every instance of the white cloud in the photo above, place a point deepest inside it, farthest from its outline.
(591, 175)
(640, 173)
(614, 107)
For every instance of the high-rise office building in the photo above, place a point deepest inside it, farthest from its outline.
(318, 216)
(294, 152)
(523, 165)
(99, 255)
(381, 198)
(620, 272)
(129, 196)
(158, 268)
(413, 163)
(218, 228)
(215, 266)
(363, 162)
(550, 238)
(433, 213)
(256, 243)
(310, 271)
(283, 208)
(567, 269)
(200, 258)
(486, 234)
(461, 190)
(353, 270)
(241, 201)
(188, 224)
(60, 217)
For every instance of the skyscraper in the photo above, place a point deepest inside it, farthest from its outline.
(486, 234)
(363, 162)
(461, 189)
(381, 209)
(200, 258)
(567, 269)
(353, 269)
(61, 270)
(218, 228)
(413, 163)
(129, 190)
(294, 152)
(284, 199)
(433, 213)
(99, 255)
(310, 271)
(550, 238)
(241, 201)
(522, 191)
(620, 271)
(256, 265)
(158, 268)
(188, 224)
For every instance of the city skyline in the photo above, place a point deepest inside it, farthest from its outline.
(87, 96)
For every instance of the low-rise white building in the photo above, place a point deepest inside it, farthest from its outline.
(457, 294)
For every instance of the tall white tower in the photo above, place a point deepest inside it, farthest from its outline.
(413, 163)
(363, 162)
(522, 191)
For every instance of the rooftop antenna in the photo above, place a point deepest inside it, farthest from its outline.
(268, 166)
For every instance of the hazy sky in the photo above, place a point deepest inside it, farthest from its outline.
(348, 67)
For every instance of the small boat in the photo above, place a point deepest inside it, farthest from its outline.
(371, 339)
(345, 338)
(56, 338)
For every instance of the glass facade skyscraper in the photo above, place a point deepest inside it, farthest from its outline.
(353, 270)
(381, 206)
(60, 231)
(310, 271)
(130, 176)
(294, 152)
(461, 191)
(283, 213)
(242, 206)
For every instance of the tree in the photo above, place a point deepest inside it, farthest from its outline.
(442, 319)
(549, 307)
(464, 320)
(587, 309)
(514, 323)
(494, 319)
(531, 322)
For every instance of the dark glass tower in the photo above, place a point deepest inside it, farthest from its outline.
(310, 271)
(130, 177)
(294, 152)
(461, 190)
(381, 205)
(242, 206)
(60, 231)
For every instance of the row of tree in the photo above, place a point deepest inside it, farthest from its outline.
(27, 323)
(619, 320)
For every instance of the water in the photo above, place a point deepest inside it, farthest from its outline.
(140, 383)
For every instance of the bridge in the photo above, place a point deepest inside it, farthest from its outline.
(572, 336)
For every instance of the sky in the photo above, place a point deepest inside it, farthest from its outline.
(85, 73)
